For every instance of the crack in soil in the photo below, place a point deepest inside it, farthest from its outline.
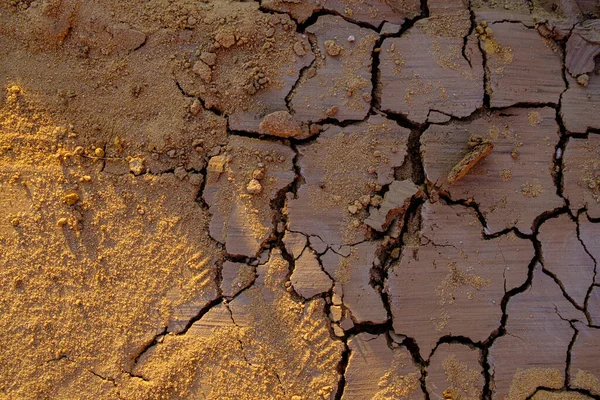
(413, 168)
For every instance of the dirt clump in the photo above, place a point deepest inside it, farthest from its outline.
(281, 124)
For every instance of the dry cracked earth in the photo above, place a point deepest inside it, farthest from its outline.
(300, 199)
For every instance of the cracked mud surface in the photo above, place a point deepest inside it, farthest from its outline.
(281, 199)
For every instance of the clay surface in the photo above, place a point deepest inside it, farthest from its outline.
(299, 199)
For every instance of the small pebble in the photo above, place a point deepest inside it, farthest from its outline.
(339, 332)
(332, 111)
(258, 174)
(180, 173)
(225, 39)
(203, 71)
(137, 166)
(376, 200)
(196, 179)
(195, 107)
(332, 48)
(71, 198)
(299, 49)
(254, 187)
(209, 58)
(583, 80)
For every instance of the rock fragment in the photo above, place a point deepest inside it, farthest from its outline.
(195, 107)
(137, 166)
(180, 173)
(583, 80)
(216, 166)
(281, 124)
(332, 48)
(299, 49)
(395, 202)
(225, 39)
(71, 199)
(390, 29)
(209, 58)
(336, 313)
(254, 187)
(203, 71)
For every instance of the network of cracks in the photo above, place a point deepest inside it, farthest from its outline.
(244, 200)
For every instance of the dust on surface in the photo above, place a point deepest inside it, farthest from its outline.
(462, 380)
(92, 255)
(526, 381)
